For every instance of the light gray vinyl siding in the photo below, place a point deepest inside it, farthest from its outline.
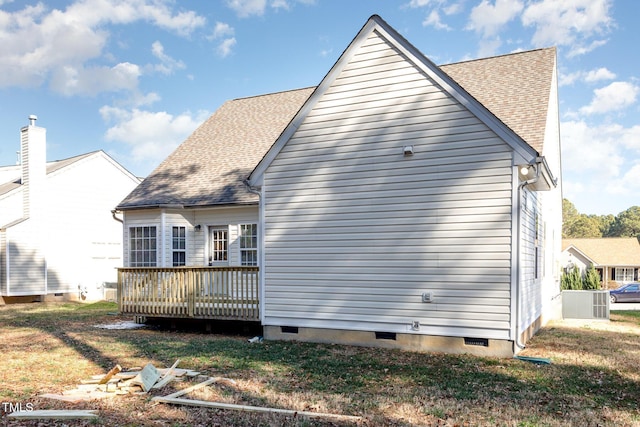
(532, 237)
(26, 262)
(355, 231)
(3, 262)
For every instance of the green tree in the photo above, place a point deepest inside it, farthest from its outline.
(571, 280)
(606, 221)
(584, 226)
(569, 215)
(626, 224)
(591, 279)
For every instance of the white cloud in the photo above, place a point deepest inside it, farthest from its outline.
(614, 97)
(569, 79)
(70, 80)
(245, 8)
(419, 3)
(225, 47)
(452, 9)
(167, 64)
(40, 44)
(568, 23)
(151, 136)
(599, 74)
(488, 19)
(600, 160)
(280, 4)
(599, 164)
(489, 47)
(627, 184)
(224, 31)
(93, 13)
(593, 151)
(591, 76)
(433, 20)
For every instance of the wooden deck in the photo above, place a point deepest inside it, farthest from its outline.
(225, 293)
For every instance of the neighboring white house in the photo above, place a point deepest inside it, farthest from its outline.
(616, 259)
(58, 236)
(398, 203)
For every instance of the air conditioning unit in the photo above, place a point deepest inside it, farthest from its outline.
(585, 305)
(110, 291)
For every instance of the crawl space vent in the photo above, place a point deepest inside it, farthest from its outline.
(289, 329)
(480, 342)
(386, 336)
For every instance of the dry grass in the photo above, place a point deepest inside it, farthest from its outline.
(593, 379)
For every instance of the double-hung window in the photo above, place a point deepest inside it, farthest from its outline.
(624, 275)
(142, 247)
(248, 244)
(179, 246)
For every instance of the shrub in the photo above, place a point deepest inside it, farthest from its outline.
(574, 280)
(591, 279)
(571, 280)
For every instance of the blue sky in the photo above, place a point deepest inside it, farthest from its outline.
(134, 78)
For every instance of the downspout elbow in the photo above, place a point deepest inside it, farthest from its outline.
(113, 214)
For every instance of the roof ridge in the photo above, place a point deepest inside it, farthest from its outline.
(520, 52)
(74, 157)
(273, 93)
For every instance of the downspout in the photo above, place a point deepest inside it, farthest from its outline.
(521, 186)
(113, 214)
(261, 251)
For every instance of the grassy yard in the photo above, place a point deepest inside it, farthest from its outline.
(593, 380)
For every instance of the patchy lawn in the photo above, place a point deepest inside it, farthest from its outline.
(593, 380)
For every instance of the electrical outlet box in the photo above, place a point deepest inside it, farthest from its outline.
(427, 296)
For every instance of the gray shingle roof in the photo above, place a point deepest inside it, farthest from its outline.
(209, 167)
(514, 87)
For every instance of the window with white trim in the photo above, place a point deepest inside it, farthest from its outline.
(623, 274)
(142, 246)
(179, 246)
(248, 244)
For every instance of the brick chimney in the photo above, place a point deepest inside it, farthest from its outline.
(33, 159)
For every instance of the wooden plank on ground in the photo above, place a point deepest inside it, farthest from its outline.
(220, 405)
(110, 374)
(53, 414)
(164, 381)
(192, 388)
(171, 369)
(147, 377)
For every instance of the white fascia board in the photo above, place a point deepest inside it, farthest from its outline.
(581, 253)
(520, 147)
(523, 152)
(256, 177)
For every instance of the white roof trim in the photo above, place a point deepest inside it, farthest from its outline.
(522, 150)
(587, 257)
